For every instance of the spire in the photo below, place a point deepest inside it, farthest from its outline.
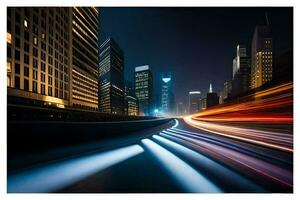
(267, 19)
(210, 88)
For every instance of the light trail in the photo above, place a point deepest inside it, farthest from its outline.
(241, 120)
(273, 105)
(227, 155)
(213, 168)
(58, 175)
(184, 174)
(239, 133)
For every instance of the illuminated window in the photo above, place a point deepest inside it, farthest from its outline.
(43, 35)
(35, 41)
(25, 23)
(8, 38)
(8, 66)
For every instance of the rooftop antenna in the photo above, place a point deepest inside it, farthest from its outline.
(267, 19)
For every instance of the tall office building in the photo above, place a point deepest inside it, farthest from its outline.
(84, 57)
(111, 78)
(144, 89)
(167, 96)
(194, 101)
(45, 53)
(212, 98)
(241, 71)
(262, 56)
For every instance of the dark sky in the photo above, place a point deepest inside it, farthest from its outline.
(196, 44)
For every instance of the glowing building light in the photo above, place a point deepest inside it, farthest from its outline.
(184, 174)
(166, 80)
(142, 68)
(58, 175)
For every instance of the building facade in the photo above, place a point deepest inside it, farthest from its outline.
(41, 57)
(111, 78)
(241, 71)
(262, 56)
(144, 89)
(194, 101)
(85, 57)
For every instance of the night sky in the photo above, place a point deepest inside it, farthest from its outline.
(196, 45)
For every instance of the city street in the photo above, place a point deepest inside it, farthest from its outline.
(181, 158)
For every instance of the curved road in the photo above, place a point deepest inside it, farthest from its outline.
(181, 158)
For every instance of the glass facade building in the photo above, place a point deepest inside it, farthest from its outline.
(144, 89)
(111, 78)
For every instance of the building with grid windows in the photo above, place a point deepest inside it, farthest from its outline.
(262, 56)
(111, 78)
(47, 63)
(144, 89)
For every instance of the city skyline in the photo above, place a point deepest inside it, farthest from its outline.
(155, 100)
(165, 25)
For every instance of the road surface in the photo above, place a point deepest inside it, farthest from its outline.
(181, 158)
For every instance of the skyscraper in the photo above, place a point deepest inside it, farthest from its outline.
(111, 78)
(144, 89)
(262, 56)
(212, 98)
(194, 101)
(241, 71)
(85, 57)
(167, 96)
(47, 59)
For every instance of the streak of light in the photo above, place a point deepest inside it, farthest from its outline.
(58, 175)
(261, 167)
(184, 174)
(176, 123)
(244, 134)
(273, 105)
(221, 172)
(238, 146)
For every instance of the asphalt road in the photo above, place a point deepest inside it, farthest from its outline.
(178, 159)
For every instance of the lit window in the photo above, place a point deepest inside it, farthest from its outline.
(8, 38)
(8, 66)
(43, 35)
(25, 23)
(35, 41)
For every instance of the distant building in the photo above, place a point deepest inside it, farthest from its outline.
(241, 71)
(131, 106)
(194, 101)
(226, 91)
(180, 110)
(167, 96)
(144, 89)
(262, 56)
(111, 78)
(212, 98)
(131, 102)
(203, 104)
